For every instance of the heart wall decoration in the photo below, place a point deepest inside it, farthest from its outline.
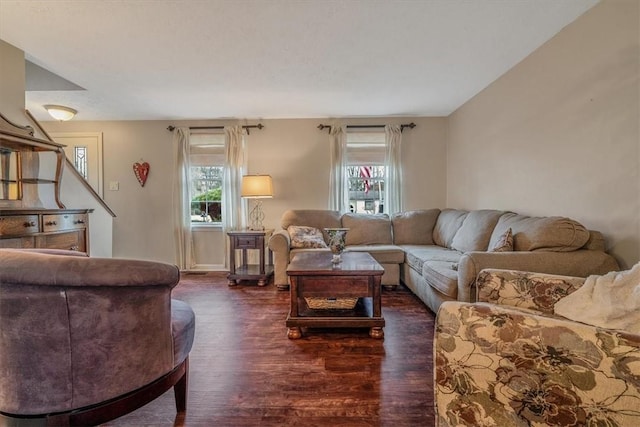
(141, 171)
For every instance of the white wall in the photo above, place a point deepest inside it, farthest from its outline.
(294, 152)
(558, 133)
(12, 83)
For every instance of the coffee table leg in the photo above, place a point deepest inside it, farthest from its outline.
(294, 333)
(376, 333)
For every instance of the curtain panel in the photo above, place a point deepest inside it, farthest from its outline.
(338, 185)
(393, 169)
(181, 200)
(234, 207)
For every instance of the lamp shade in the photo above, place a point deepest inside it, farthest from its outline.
(257, 187)
(61, 113)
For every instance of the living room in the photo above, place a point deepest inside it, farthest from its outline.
(545, 122)
(557, 134)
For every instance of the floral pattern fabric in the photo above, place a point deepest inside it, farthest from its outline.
(502, 366)
(303, 237)
(536, 291)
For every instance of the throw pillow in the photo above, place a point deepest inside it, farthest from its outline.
(504, 243)
(303, 237)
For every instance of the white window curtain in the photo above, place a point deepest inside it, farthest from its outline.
(338, 186)
(181, 199)
(393, 169)
(234, 207)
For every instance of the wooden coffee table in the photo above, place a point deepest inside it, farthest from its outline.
(357, 276)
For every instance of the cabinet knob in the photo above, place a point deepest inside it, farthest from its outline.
(30, 224)
(73, 248)
(52, 223)
(80, 221)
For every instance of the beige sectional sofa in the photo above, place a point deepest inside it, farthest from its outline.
(439, 253)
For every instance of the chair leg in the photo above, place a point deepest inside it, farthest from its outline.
(180, 389)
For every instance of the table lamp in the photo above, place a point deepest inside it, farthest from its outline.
(257, 187)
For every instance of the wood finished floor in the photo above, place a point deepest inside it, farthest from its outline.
(245, 372)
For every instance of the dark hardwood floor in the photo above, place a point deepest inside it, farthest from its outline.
(245, 372)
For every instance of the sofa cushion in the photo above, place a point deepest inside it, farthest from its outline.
(302, 236)
(384, 254)
(441, 276)
(555, 234)
(367, 229)
(448, 223)
(414, 227)
(416, 256)
(319, 219)
(476, 229)
(596, 242)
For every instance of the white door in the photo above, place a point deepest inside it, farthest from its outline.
(84, 151)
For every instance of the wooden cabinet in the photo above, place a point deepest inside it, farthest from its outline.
(45, 228)
(24, 221)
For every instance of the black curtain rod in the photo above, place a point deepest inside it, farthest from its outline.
(409, 125)
(247, 127)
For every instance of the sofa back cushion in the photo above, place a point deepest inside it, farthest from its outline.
(476, 229)
(320, 219)
(367, 229)
(554, 233)
(596, 241)
(448, 223)
(414, 227)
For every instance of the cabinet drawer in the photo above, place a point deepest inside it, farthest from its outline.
(18, 225)
(246, 242)
(73, 240)
(60, 222)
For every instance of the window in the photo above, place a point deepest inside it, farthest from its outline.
(80, 160)
(366, 171)
(206, 175)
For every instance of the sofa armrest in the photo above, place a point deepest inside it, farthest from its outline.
(537, 291)
(496, 365)
(280, 244)
(580, 263)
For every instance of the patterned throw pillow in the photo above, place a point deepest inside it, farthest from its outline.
(505, 243)
(305, 237)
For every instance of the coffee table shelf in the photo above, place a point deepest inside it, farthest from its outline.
(358, 276)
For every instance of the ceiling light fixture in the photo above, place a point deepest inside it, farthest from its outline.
(61, 113)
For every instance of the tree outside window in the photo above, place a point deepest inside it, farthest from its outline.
(206, 194)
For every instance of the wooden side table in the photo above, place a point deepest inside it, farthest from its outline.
(245, 240)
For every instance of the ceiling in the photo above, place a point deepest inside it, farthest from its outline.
(247, 59)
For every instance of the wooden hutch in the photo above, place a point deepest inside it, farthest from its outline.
(24, 221)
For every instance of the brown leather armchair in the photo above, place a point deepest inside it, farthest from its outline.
(85, 340)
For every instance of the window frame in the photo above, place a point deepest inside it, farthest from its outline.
(366, 149)
(206, 150)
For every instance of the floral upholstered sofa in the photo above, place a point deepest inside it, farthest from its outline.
(438, 253)
(508, 360)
